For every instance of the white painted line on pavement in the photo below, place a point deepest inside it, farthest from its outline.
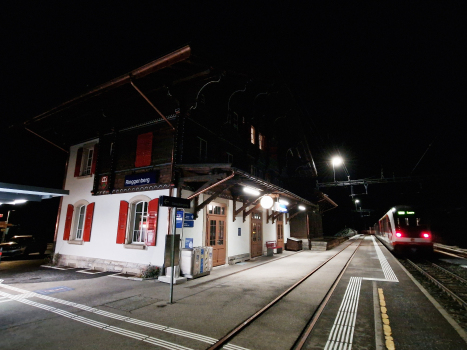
(176, 331)
(100, 325)
(387, 270)
(342, 331)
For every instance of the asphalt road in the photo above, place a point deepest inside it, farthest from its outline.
(30, 270)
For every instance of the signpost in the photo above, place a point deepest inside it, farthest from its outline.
(167, 201)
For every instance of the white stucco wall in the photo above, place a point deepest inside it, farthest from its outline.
(105, 222)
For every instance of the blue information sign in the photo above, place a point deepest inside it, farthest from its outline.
(189, 216)
(189, 223)
(188, 242)
(179, 219)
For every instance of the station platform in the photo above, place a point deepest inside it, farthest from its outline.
(378, 305)
(375, 305)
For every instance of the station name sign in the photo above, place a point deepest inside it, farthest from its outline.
(141, 179)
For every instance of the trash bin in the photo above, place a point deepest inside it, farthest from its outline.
(294, 244)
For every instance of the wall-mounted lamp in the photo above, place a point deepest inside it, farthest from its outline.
(301, 207)
(267, 202)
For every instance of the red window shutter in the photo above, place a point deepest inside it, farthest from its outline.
(88, 222)
(143, 150)
(79, 156)
(68, 219)
(94, 158)
(122, 219)
(153, 209)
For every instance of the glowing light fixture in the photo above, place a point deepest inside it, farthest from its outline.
(426, 235)
(410, 213)
(393, 210)
(267, 202)
(336, 161)
(401, 213)
(283, 201)
(398, 234)
(301, 207)
(19, 201)
(250, 190)
(357, 201)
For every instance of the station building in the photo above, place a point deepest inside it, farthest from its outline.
(227, 139)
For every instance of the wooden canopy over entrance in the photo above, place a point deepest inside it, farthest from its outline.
(224, 181)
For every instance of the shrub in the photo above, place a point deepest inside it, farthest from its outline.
(151, 272)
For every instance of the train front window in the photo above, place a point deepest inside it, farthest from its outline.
(408, 221)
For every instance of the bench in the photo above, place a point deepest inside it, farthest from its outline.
(270, 246)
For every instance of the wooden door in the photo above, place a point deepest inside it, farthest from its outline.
(280, 231)
(216, 233)
(256, 234)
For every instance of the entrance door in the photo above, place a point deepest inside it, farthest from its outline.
(256, 234)
(280, 231)
(216, 232)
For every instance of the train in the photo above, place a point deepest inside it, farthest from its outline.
(403, 230)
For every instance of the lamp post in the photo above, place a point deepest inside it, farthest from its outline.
(356, 202)
(336, 161)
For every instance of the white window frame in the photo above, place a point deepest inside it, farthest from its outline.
(86, 160)
(76, 237)
(80, 219)
(130, 242)
(252, 135)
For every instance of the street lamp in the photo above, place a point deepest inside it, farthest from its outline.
(356, 201)
(336, 161)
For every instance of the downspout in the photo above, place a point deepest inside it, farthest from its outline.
(61, 199)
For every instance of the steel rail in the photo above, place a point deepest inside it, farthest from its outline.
(453, 275)
(314, 318)
(222, 341)
(448, 250)
(439, 284)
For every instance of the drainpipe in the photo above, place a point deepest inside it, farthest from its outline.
(61, 199)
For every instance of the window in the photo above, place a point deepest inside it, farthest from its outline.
(262, 141)
(229, 157)
(86, 157)
(253, 135)
(139, 222)
(88, 162)
(80, 222)
(203, 149)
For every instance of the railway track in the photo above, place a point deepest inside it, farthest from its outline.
(280, 301)
(450, 283)
(450, 250)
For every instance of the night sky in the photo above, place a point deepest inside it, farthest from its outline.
(380, 84)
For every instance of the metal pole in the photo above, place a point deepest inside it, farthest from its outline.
(334, 171)
(172, 255)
